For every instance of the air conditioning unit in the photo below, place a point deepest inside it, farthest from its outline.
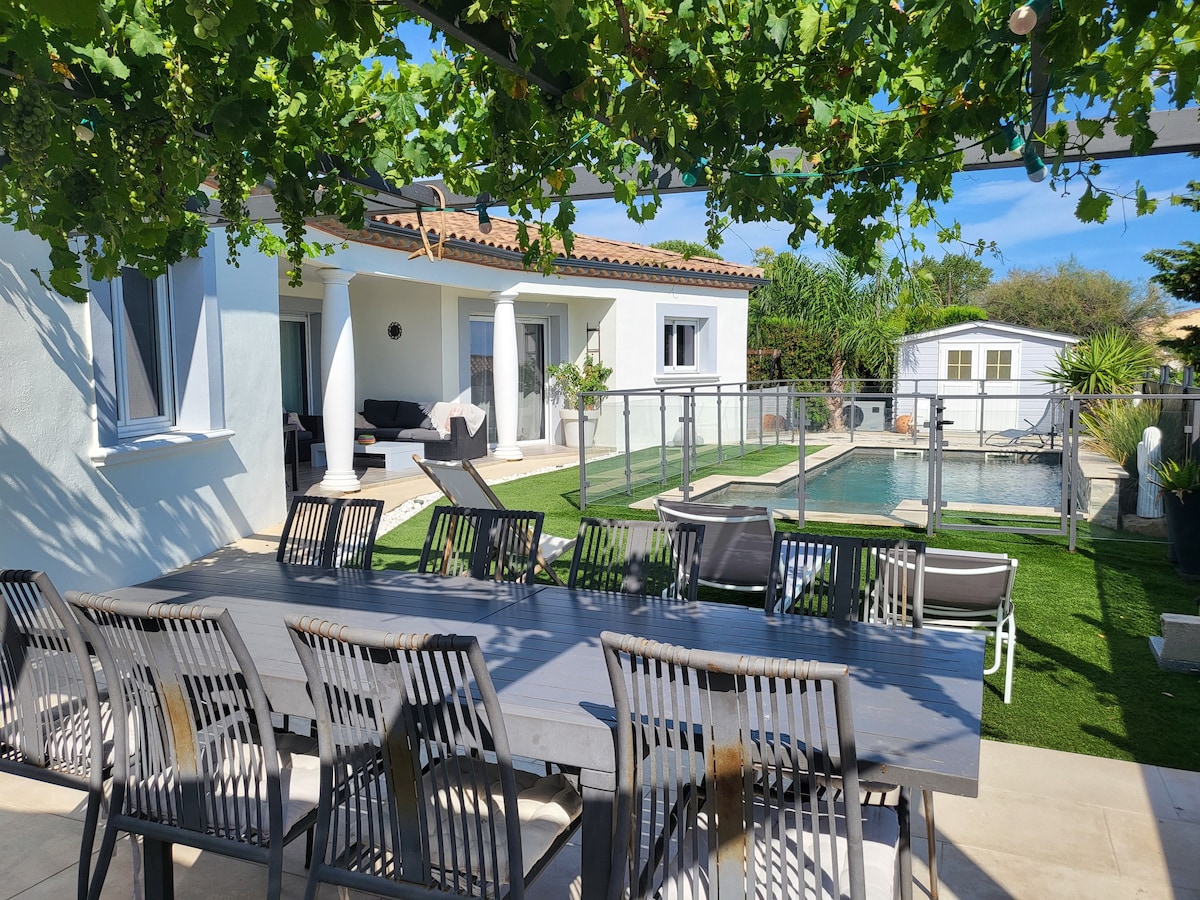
(869, 415)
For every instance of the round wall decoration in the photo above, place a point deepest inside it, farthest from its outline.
(395, 331)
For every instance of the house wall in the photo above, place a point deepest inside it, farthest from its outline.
(405, 369)
(94, 523)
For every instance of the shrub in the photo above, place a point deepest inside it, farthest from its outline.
(1111, 362)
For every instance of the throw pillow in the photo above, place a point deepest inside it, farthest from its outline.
(294, 419)
(360, 422)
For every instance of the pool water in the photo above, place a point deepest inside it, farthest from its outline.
(875, 481)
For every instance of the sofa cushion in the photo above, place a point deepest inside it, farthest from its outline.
(419, 434)
(381, 413)
(410, 415)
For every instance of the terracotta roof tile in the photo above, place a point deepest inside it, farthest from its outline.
(465, 227)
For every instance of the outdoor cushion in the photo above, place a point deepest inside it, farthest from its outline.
(380, 413)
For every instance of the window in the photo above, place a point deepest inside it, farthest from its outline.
(157, 361)
(679, 345)
(142, 353)
(958, 365)
(999, 365)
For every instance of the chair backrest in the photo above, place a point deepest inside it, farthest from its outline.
(199, 753)
(813, 575)
(967, 580)
(461, 482)
(330, 532)
(489, 544)
(848, 579)
(414, 757)
(739, 545)
(893, 581)
(638, 557)
(702, 737)
(49, 700)
(1047, 421)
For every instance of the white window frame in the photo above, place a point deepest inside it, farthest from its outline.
(987, 365)
(127, 425)
(958, 365)
(672, 322)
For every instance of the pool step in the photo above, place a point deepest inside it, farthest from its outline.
(908, 454)
(999, 457)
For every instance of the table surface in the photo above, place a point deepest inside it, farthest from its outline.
(917, 694)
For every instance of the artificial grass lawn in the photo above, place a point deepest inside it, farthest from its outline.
(1085, 679)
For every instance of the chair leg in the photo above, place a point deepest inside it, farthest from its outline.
(1008, 667)
(902, 811)
(107, 845)
(90, 824)
(931, 837)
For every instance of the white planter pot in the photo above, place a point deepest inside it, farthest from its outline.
(570, 424)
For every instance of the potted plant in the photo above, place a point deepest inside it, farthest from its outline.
(570, 381)
(1180, 484)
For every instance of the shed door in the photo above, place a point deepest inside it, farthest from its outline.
(969, 369)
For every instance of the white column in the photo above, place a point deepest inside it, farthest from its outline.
(504, 376)
(337, 372)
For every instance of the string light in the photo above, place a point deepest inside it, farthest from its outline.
(1013, 142)
(692, 176)
(1035, 169)
(1025, 17)
(485, 221)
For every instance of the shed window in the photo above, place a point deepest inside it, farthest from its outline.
(958, 365)
(999, 365)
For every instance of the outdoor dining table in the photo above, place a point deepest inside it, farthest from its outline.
(917, 695)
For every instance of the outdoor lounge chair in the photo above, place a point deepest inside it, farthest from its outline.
(969, 589)
(462, 484)
(54, 725)
(196, 766)
(738, 542)
(419, 795)
(488, 544)
(1045, 427)
(724, 767)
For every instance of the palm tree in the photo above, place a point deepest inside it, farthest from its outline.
(858, 315)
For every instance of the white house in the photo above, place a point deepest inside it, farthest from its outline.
(141, 430)
(972, 358)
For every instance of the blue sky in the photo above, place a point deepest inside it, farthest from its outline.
(1033, 225)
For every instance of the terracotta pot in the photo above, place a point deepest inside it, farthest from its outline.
(903, 424)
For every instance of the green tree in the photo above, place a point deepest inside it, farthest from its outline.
(957, 279)
(1179, 274)
(1073, 300)
(114, 114)
(687, 249)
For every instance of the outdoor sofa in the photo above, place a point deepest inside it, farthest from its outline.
(403, 421)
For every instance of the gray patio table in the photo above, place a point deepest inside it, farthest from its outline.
(917, 694)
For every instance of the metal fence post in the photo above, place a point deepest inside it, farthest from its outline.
(582, 458)
(628, 456)
(662, 442)
(720, 445)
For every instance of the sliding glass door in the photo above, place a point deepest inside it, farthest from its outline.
(531, 375)
(293, 363)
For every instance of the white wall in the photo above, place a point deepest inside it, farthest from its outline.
(93, 527)
(404, 369)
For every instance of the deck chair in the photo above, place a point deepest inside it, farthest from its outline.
(420, 796)
(738, 542)
(330, 533)
(463, 486)
(1045, 427)
(970, 589)
(55, 723)
(487, 544)
(654, 559)
(195, 766)
(726, 767)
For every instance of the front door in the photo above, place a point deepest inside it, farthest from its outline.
(531, 375)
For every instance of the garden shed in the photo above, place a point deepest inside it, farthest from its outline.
(962, 362)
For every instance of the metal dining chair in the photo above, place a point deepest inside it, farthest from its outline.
(812, 575)
(724, 768)
(418, 787)
(198, 763)
(55, 722)
(329, 532)
(488, 544)
(659, 559)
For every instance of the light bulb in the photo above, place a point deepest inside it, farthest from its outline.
(485, 221)
(692, 176)
(1025, 18)
(1013, 141)
(1035, 169)
(83, 132)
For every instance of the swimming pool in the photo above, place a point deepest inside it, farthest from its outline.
(876, 481)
